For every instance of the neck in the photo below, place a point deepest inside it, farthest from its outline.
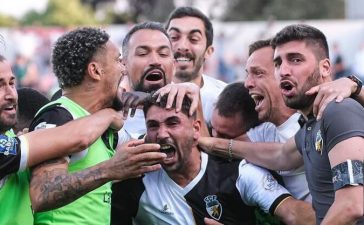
(198, 80)
(306, 111)
(282, 116)
(189, 170)
(88, 97)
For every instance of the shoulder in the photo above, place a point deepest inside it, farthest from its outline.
(51, 116)
(347, 106)
(213, 82)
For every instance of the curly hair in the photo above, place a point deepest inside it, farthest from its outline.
(72, 53)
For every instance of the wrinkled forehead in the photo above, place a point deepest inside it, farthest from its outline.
(149, 38)
(160, 114)
(292, 47)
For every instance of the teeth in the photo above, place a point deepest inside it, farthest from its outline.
(257, 98)
(164, 147)
(183, 59)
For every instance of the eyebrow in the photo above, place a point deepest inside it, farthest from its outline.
(191, 32)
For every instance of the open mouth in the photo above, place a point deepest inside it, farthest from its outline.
(169, 150)
(257, 99)
(11, 107)
(154, 75)
(286, 85)
(183, 59)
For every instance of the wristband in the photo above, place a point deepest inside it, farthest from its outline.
(230, 150)
(358, 87)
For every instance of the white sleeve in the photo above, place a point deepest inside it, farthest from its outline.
(258, 187)
(265, 132)
(24, 147)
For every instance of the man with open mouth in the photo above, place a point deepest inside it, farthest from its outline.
(331, 147)
(193, 186)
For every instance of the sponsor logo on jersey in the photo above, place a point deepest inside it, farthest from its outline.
(44, 125)
(213, 206)
(8, 145)
(166, 210)
(319, 143)
(269, 182)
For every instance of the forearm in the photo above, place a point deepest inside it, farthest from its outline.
(71, 137)
(347, 208)
(296, 212)
(268, 155)
(54, 188)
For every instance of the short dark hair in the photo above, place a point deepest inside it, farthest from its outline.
(73, 52)
(186, 104)
(29, 102)
(187, 11)
(258, 45)
(149, 25)
(302, 32)
(234, 99)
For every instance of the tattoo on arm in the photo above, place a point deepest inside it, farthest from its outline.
(54, 187)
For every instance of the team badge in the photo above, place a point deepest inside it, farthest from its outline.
(7, 145)
(319, 142)
(269, 182)
(213, 206)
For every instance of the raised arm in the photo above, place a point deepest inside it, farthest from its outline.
(274, 156)
(71, 137)
(52, 186)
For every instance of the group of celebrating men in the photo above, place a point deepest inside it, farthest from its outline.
(288, 140)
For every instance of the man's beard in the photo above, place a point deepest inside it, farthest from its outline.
(186, 76)
(153, 87)
(7, 124)
(301, 100)
(117, 105)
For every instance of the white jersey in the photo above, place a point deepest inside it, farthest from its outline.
(221, 190)
(294, 180)
(209, 92)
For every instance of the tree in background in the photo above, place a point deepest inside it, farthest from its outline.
(58, 13)
(238, 10)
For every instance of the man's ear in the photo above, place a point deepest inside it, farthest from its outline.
(209, 52)
(95, 70)
(196, 128)
(325, 68)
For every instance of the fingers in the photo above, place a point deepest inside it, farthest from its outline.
(171, 95)
(313, 90)
(195, 100)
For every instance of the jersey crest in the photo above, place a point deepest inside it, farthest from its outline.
(7, 145)
(213, 206)
(319, 142)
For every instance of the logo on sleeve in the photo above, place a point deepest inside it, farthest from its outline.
(7, 145)
(213, 206)
(269, 182)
